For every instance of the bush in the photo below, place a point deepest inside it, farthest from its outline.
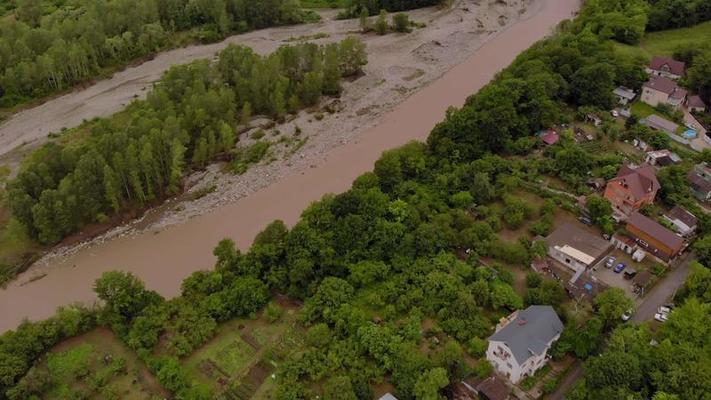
(483, 369)
(273, 312)
(549, 386)
(401, 22)
(381, 25)
(477, 346)
(533, 280)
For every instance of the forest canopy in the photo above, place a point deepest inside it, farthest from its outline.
(51, 46)
(188, 119)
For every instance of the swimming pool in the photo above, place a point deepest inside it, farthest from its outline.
(689, 134)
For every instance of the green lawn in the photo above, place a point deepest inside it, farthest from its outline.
(227, 351)
(642, 110)
(225, 362)
(665, 42)
(95, 365)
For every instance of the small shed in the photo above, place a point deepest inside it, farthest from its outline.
(597, 121)
(695, 104)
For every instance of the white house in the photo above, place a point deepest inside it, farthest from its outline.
(575, 247)
(683, 221)
(519, 347)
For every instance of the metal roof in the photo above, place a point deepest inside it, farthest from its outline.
(530, 332)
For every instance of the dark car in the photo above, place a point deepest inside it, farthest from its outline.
(585, 220)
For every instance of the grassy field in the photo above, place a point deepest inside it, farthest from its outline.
(642, 110)
(95, 365)
(240, 359)
(664, 43)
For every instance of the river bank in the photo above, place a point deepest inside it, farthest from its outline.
(163, 257)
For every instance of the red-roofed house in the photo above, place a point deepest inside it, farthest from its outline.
(550, 137)
(667, 67)
(632, 188)
(662, 90)
(695, 104)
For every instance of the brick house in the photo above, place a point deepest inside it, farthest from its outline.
(632, 188)
(654, 238)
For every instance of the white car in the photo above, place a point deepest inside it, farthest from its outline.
(664, 310)
(615, 113)
(661, 317)
(627, 315)
(610, 262)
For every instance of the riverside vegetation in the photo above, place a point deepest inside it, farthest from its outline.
(188, 120)
(375, 267)
(48, 46)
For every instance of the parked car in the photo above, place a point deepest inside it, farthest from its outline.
(615, 113)
(585, 220)
(664, 310)
(610, 262)
(661, 317)
(619, 267)
(630, 273)
(627, 315)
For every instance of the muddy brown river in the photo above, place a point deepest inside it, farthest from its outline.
(165, 258)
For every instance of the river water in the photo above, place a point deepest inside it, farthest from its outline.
(165, 258)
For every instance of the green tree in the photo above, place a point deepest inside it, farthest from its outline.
(430, 383)
(401, 22)
(702, 248)
(339, 388)
(611, 304)
(331, 70)
(363, 20)
(381, 24)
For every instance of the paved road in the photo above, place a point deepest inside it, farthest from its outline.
(662, 292)
(568, 382)
(659, 295)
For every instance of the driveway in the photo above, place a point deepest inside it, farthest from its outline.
(659, 295)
